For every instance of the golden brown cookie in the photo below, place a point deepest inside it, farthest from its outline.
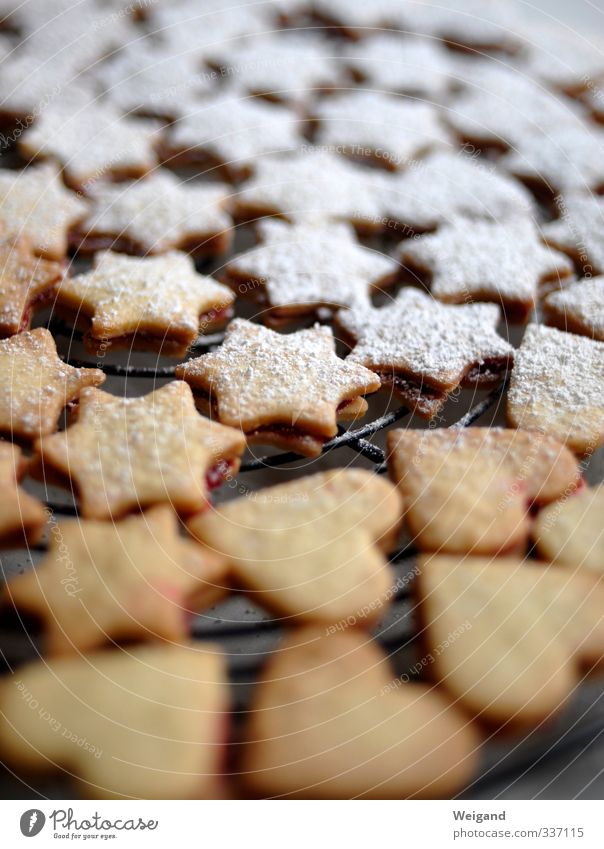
(22, 517)
(286, 390)
(105, 582)
(330, 719)
(471, 489)
(35, 385)
(313, 548)
(570, 532)
(124, 454)
(149, 723)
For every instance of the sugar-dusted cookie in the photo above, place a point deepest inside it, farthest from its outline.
(516, 634)
(22, 517)
(298, 269)
(330, 719)
(565, 58)
(149, 723)
(129, 453)
(570, 532)
(26, 281)
(486, 261)
(286, 390)
(556, 387)
(159, 301)
(230, 132)
(378, 129)
(578, 308)
(131, 580)
(155, 215)
(35, 203)
(422, 350)
(579, 231)
(471, 489)
(474, 25)
(312, 549)
(357, 20)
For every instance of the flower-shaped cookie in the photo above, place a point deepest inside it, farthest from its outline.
(26, 281)
(21, 516)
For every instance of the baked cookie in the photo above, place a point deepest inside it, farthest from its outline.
(285, 390)
(486, 261)
(556, 387)
(570, 533)
(311, 549)
(149, 723)
(330, 719)
(422, 350)
(472, 489)
(26, 282)
(578, 308)
(124, 454)
(565, 59)
(158, 302)
(157, 214)
(516, 634)
(34, 203)
(131, 580)
(22, 517)
(355, 20)
(301, 269)
(470, 25)
(36, 385)
(579, 231)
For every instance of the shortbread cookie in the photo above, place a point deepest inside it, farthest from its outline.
(505, 263)
(34, 203)
(313, 548)
(287, 390)
(160, 300)
(473, 25)
(579, 231)
(516, 635)
(35, 385)
(149, 723)
(471, 489)
(578, 308)
(155, 215)
(570, 533)
(330, 719)
(22, 517)
(356, 20)
(422, 350)
(300, 269)
(378, 129)
(131, 580)
(556, 387)
(565, 59)
(26, 282)
(230, 132)
(129, 453)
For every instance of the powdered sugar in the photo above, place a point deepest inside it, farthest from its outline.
(580, 230)
(581, 305)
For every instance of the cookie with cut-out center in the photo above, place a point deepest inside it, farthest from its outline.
(124, 454)
(570, 532)
(331, 719)
(22, 517)
(161, 302)
(578, 308)
(157, 214)
(471, 489)
(378, 129)
(36, 385)
(555, 387)
(26, 282)
(287, 390)
(422, 350)
(131, 580)
(486, 261)
(509, 638)
(312, 549)
(579, 231)
(302, 268)
(149, 723)
(35, 203)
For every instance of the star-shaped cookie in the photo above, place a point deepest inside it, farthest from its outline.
(486, 261)
(286, 390)
(124, 454)
(147, 723)
(35, 203)
(35, 385)
(579, 231)
(312, 549)
(299, 269)
(26, 281)
(477, 26)
(158, 301)
(578, 308)
(422, 350)
(131, 580)
(556, 387)
(157, 214)
(570, 533)
(471, 489)
(22, 517)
